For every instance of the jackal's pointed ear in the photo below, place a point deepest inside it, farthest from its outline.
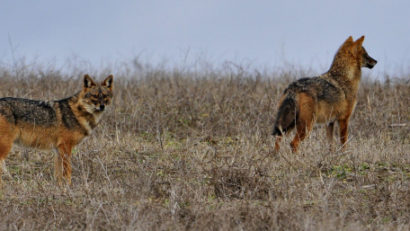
(108, 82)
(349, 40)
(359, 41)
(88, 81)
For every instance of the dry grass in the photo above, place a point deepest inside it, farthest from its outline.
(183, 150)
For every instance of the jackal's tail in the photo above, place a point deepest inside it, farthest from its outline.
(286, 117)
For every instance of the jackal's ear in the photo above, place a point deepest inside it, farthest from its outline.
(347, 44)
(88, 81)
(349, 40)
(108, 82)
(359, 41)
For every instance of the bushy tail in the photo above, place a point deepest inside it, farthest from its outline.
(286, 117)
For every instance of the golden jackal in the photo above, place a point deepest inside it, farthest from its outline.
(325, 99)
(59, 124)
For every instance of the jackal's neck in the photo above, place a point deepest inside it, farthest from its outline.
(345, 68)
(76, 103)
(346, 73)
(76, 106)
(86, 119)
(73, 100)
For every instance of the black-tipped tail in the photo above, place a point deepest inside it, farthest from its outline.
(276, 131)
(286, 117)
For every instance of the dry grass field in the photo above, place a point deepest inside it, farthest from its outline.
(186, 150)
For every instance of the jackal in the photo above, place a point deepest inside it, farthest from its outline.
(327, 98)
(59, 124)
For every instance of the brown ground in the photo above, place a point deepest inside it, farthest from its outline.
(180, 150)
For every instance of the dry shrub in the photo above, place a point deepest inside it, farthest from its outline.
(191, 150)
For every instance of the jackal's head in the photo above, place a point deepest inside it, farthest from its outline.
(95, 97)
(361, 53)
(353, 52)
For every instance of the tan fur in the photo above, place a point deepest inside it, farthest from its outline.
(325, 99)
(74, 119)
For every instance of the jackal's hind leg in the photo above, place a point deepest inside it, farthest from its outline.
(302, 131)
(6, 142)
(304, 121)
(277, 141)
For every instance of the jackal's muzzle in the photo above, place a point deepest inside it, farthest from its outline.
(368, 61)
(371, 62)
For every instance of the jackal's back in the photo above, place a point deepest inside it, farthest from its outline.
(17, 110)
(318, 88)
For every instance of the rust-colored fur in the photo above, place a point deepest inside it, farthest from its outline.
(327, 98)
(59, 124)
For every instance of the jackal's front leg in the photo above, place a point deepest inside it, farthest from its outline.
(343, 126)
(63, 164)
(58, 167)
(329, 134)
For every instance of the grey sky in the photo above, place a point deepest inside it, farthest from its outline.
(260, 32)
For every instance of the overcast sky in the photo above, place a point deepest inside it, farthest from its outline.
(260, 32)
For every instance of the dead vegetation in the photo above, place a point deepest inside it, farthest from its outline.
(186, 150)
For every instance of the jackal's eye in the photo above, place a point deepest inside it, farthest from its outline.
(93, 99)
